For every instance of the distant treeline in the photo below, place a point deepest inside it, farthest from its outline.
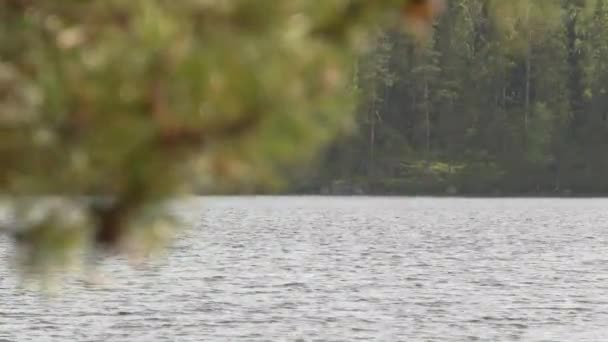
(492, 105)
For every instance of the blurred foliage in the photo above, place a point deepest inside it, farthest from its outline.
(115, 106)
(110, 108)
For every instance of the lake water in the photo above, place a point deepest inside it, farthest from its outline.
(344, 269)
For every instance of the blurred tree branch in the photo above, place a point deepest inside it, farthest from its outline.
(120, 100)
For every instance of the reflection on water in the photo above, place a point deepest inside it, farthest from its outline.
(344, 269)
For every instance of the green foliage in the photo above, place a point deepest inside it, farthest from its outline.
(514, 91)
(117, 106)
(134, 102)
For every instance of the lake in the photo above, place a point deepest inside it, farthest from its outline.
(343, 269)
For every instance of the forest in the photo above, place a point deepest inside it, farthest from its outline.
(114, 108)
(496, 103)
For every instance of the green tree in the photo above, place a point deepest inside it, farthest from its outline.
(507, 97)
(134, 102)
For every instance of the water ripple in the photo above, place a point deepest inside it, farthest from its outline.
(343, 269)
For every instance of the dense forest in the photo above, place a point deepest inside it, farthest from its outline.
(515, 105)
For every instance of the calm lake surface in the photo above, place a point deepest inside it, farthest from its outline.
(343, 269)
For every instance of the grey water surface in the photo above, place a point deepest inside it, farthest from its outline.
(343, 269)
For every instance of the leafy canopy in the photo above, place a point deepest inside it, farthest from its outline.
(120, 105)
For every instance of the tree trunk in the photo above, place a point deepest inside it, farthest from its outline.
(427, 115)
(528, 76)
(372, 135)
